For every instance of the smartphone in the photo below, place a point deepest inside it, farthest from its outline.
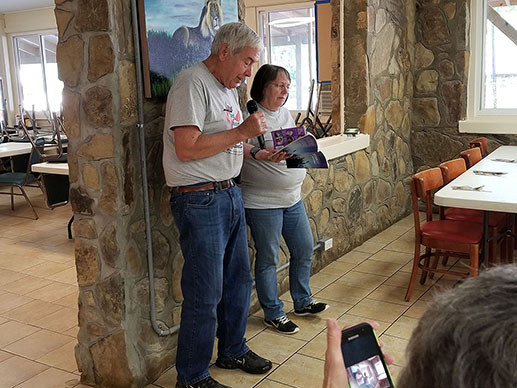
(363, 357)
(351, 131)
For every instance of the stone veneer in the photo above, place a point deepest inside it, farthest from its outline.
(442, 54)
(358, 196)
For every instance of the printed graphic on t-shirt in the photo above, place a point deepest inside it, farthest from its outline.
(233, 118)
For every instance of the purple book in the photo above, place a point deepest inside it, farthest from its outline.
(283, 137)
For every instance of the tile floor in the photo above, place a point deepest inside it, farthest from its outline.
(38, 306)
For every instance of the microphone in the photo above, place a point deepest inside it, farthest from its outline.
(252, 108)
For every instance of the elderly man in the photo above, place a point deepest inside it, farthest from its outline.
(203, 151)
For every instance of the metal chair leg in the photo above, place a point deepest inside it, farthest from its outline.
(29, 202)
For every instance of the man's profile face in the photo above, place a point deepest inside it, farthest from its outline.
(236, 67)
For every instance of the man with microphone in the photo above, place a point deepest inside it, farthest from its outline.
(203, 151)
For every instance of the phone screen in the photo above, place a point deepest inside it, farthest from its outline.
(365, 363)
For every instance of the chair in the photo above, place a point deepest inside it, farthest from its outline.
(441, 237)
(471, 156)
(497, 222)
(480, 142)
(20, 179)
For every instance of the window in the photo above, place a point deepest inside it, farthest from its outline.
(289, 38)
(492, 107)
(38, 85)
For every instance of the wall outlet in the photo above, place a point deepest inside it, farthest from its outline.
(325, 243)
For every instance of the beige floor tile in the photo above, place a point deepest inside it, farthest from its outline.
(59, 321)
(382, 268)
(401, 279)
(354, 257)
(72, 332)
(12, 331)
(3, 320)
(392, 257)
(400, 228)
(370, 247)
(37, 345)
(338, 268)
(267, 383)
(275, 347)
(10, 301)
(392, 294)
(32, 311)
(236, 377)
(255, 326)
(377, 310)
(13, 263)
(68, 276)
(340, 291)
(396, 347)
(71, 300)
(363, 280)
(46, 269)
(167, 379)
(4, 355)
(300, 371)
(322, 280)
(386, 236)
(402, 327)
(401, 245)
(51, 378)
(316, 347)
(7, 276)
(54, 291)
(25, 285)
(62, 357)
(417, 309)
(16, 370)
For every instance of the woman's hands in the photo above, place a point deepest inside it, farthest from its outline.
(271, 155)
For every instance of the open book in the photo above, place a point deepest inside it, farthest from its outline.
(305, 153)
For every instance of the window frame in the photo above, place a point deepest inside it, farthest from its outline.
(17, 87)
(267, 44)
(479, 119)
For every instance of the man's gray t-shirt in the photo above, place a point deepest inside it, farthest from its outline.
(269, 185)
(197, 99)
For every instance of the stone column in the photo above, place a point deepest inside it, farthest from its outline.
(116, 344)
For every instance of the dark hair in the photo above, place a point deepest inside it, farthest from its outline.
(265, 75)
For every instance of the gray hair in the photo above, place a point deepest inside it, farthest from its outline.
(468, 336)
(237, 36)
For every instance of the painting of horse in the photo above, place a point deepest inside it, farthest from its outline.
(179, 35)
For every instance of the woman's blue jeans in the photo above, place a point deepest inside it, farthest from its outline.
(216, 280)
(267, 227)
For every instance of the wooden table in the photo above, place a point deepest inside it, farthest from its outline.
(499, 192)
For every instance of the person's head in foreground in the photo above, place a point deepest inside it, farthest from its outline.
(270, 86)
(467, 338)
(235, 48)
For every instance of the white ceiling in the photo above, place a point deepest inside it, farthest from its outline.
(7, 6)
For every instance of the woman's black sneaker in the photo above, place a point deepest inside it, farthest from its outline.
(313, 308)
(249, 362)
(205, 383)
(283, 325)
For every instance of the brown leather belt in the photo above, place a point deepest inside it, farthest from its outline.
(209, 186)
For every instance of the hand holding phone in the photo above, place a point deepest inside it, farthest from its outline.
(364, 361)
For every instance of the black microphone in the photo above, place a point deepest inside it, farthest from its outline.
(252, 108)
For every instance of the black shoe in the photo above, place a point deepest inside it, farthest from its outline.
(283, 325)
(313, 308)
(250, 362)
(205, 383)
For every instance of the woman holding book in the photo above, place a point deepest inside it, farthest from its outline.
(274, 208)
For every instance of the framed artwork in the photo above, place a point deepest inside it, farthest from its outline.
(176, 34)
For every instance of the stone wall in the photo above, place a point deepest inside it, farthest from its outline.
(358, 196)
(442, 54)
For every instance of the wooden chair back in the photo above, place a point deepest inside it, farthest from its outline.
(452, 169)
(480, 142)
(471, 156)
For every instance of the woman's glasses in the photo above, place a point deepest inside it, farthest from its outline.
(281, 86)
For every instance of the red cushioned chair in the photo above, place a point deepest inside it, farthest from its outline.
(480, 142)
(497, 222)
(471, 156)
(441, 237)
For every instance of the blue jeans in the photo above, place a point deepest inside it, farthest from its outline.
(216, 280)
(267, 226)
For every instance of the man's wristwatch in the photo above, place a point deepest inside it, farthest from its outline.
(254, 151)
